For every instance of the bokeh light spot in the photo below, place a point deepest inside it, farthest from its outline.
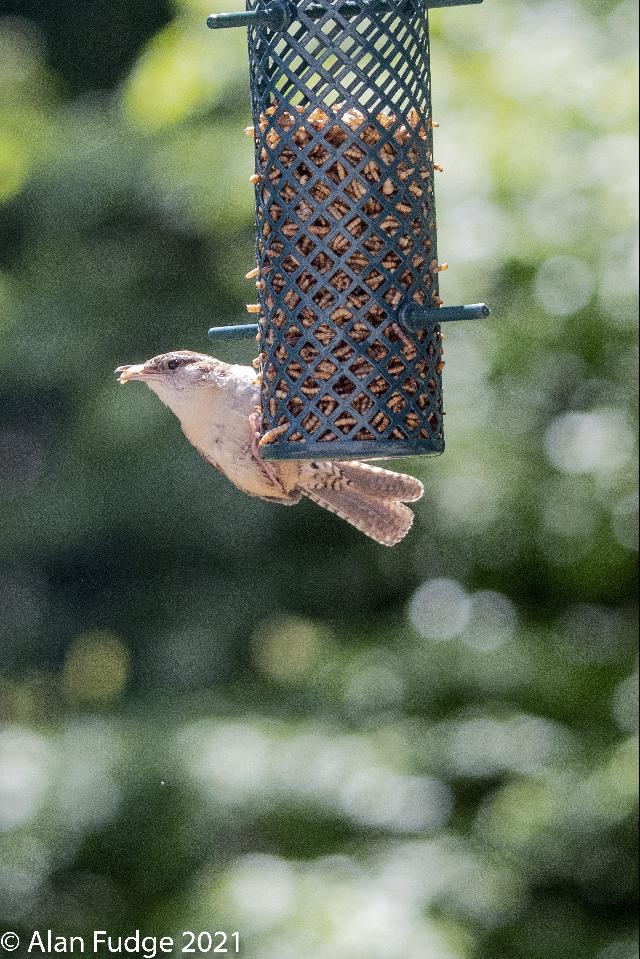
(622, 949)
(564, 285)
(287, 648)
(169, 81)
(96, 667)
(440, 609)
(14, 167)
(624, 705)
(492, 621)
(378, 797)
(24, 775)
(263, 891)
(601, 441)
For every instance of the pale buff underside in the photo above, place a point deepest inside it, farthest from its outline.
(217, 422)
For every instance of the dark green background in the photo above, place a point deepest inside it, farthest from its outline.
(215, 713)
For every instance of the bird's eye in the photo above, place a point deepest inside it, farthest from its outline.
(173, 364)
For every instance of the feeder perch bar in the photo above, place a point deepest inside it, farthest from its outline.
(348, 301)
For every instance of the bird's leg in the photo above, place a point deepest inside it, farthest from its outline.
(267, 468)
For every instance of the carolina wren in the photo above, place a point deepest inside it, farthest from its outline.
(217, 404)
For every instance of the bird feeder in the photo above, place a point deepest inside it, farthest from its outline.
(348, 309)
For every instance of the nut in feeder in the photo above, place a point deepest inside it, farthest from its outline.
(348, 297)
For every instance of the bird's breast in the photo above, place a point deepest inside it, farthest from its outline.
(221, 432)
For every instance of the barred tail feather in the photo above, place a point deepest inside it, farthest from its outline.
(368, 497)
(385, 521)
(376, 481)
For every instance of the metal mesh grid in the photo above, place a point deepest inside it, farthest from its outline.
(346, 232)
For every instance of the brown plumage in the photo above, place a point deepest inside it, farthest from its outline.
(216, 404)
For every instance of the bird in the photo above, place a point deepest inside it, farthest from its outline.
(217, 404)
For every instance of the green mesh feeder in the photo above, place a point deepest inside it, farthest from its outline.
(348, 302)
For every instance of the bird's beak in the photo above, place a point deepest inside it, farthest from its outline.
(133, 372)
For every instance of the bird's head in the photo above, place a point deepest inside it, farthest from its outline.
(178, 371)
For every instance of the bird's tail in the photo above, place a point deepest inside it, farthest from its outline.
(370, 498)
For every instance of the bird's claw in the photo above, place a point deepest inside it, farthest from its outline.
(256, 442)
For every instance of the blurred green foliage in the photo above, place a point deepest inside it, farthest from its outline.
(215, 713)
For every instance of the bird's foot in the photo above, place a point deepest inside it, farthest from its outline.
(267, 468)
